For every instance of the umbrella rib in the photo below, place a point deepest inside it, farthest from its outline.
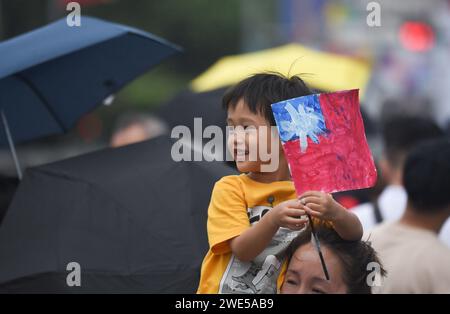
(43, 100)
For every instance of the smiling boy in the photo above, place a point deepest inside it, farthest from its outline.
(252, 217)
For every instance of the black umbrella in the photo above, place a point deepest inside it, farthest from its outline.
(133, 219)
(189, 105)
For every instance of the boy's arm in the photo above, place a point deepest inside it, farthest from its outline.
(347, 225)
(323, 206)
(255, 239)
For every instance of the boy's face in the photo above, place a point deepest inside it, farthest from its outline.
(251, 134)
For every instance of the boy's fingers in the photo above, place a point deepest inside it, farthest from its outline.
(294, 221)
(295, 212)
(314, 207)
(311, 193)
(314, 213)
(293, 203)
(310, 199)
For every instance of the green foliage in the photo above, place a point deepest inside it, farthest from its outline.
(205, 29)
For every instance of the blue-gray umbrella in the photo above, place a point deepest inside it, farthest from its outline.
(52, 76)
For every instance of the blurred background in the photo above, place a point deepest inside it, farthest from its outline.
(407, 56)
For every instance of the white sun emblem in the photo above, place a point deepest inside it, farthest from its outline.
(305, 123)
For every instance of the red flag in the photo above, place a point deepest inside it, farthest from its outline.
(324, 142)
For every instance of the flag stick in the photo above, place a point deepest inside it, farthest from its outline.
(317, 244)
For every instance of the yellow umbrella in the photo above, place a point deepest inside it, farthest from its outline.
(320, 70)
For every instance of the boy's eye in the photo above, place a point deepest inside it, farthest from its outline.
(318, 291)
(249, 127)
(241, 128)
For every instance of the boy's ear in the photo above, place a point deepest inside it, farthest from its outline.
(280, 146)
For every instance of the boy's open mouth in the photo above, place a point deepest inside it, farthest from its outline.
(240, 153)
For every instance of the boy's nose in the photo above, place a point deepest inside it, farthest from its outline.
(239, 142)
(239, 138)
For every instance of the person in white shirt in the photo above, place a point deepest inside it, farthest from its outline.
(415, 259)
(400, 135)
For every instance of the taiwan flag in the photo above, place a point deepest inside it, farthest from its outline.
(324, 142)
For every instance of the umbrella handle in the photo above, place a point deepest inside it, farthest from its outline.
(11, 145)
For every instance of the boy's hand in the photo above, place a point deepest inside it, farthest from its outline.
(288, 215)
(321, 205)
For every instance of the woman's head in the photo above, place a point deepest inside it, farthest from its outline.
(347, 263)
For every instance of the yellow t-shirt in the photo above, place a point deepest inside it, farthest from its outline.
(237, 202)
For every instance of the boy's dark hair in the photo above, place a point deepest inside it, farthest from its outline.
(402, 133)
(353, 255)
(261, 90)
(426, 175)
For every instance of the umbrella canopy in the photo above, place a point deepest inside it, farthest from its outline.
(52, 76)
(189, 105)
(323, 71)
(133, 219)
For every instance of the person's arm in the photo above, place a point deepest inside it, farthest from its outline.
(255, 239)
(347, 225)
(323, 206)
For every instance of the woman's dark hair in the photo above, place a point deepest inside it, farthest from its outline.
(353, 255)
(261, 90)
